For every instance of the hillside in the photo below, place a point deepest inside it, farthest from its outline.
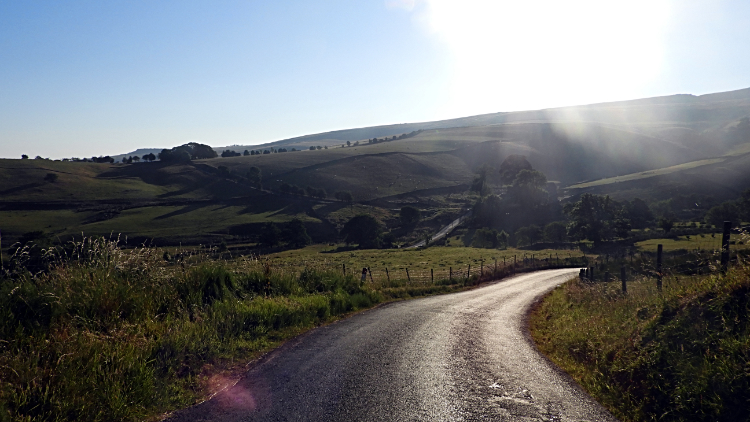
(651, 148)
(688, 119)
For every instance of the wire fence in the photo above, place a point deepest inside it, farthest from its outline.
(626, 264)
(483, 270)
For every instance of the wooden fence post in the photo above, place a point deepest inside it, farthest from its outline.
(407, 275)
(450, 274)
(481, 268)
(387, 275)
(344, 267)
(468, 272)
(369, 271)
(432, 276)
(659, 249)
(725, 246)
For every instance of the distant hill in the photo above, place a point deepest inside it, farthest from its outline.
(696, 117)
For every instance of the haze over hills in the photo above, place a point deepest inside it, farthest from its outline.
(653, 148)
(687, 118)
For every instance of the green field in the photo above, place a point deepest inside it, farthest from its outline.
(419, 262)
(647, 174)
(705, 242)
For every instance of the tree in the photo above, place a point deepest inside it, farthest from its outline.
(295, 234)
(270, 234)
(409, 216)
(622, 227)
(502, 239)
(363, 230)
(485, 238)
(510, 167)
(50, 177)
(479, 184)
(200, 151)
(639, 214)
(488, 211)
(527, 189)
(312, 148)
(666, 223)
(24, 157)
(246, 153)
(529, 235)
(591, 217)
(149, 157)
(254, 177)
(556, 232)
(343, 196)
(229, 153)
(727, 211)
(348, 143)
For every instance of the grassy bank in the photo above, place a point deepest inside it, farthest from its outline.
(110, 334)
(679, 355)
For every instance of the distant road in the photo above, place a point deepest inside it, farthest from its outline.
(457, 357)
(444, 231)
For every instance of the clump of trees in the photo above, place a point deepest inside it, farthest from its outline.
(187, 152)
(344, 196)
(511, 166)
(392, 138)
(489, 238)
(363, 230)
(293, 234)
(409, 217)
(309, 191)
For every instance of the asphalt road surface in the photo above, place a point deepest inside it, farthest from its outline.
(458, 357)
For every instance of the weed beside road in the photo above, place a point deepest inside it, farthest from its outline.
(679, 355)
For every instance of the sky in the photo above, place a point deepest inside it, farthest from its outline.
(91, 78)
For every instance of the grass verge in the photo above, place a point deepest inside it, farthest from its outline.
(679, 355)
(108, 334)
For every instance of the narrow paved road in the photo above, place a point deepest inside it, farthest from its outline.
(444, 231)
(458, 357)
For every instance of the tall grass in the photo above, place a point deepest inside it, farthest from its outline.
(679, 355)
(110, 334)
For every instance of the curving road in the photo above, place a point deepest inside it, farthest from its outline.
(458, 357)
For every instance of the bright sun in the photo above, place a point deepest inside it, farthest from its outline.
(515, 55)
